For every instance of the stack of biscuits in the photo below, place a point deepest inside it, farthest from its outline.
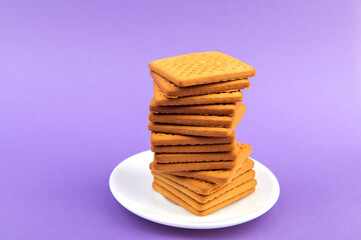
(196, 107)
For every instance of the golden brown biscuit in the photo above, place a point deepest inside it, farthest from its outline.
(195, 148)
(213, 98)
(193, 120)
(195, 157)
(241, 179)
(244, 151)
(214, 176)
(191, 166)
(204, 188)
(190, 130)
(213, 109)
(201, 68)
(201, 201)
(197, 120)
(199, 130)
(194, 166)
(176, 199)
(170, 90)
(165, 139)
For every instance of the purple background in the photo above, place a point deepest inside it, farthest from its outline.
(74, 95)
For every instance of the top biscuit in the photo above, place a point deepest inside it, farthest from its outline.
(201, 68)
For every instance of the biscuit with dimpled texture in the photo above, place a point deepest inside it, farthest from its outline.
(201, 68)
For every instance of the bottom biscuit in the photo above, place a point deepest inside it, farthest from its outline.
(189, 208)
(204, 206)
(203, 187)
(212, 193)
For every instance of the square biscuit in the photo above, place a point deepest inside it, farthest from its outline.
(199, 130)
(170, 90)
(214, 176)
(165, 139)
(192, 166)
(213, 98)
(187, 206)
(195, 157)
(198, 166)
(204, 206)
(195, 148)
(200, 200)
(192, 120)
(210, 109)
(202, 187)
(220, 176)
(190, 130)
(201, 68)
(199, 120)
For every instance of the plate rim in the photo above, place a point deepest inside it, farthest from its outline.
(126, 203)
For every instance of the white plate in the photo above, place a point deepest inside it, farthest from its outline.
(131, 184)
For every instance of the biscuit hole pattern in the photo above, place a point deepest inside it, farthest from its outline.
(202, 63)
